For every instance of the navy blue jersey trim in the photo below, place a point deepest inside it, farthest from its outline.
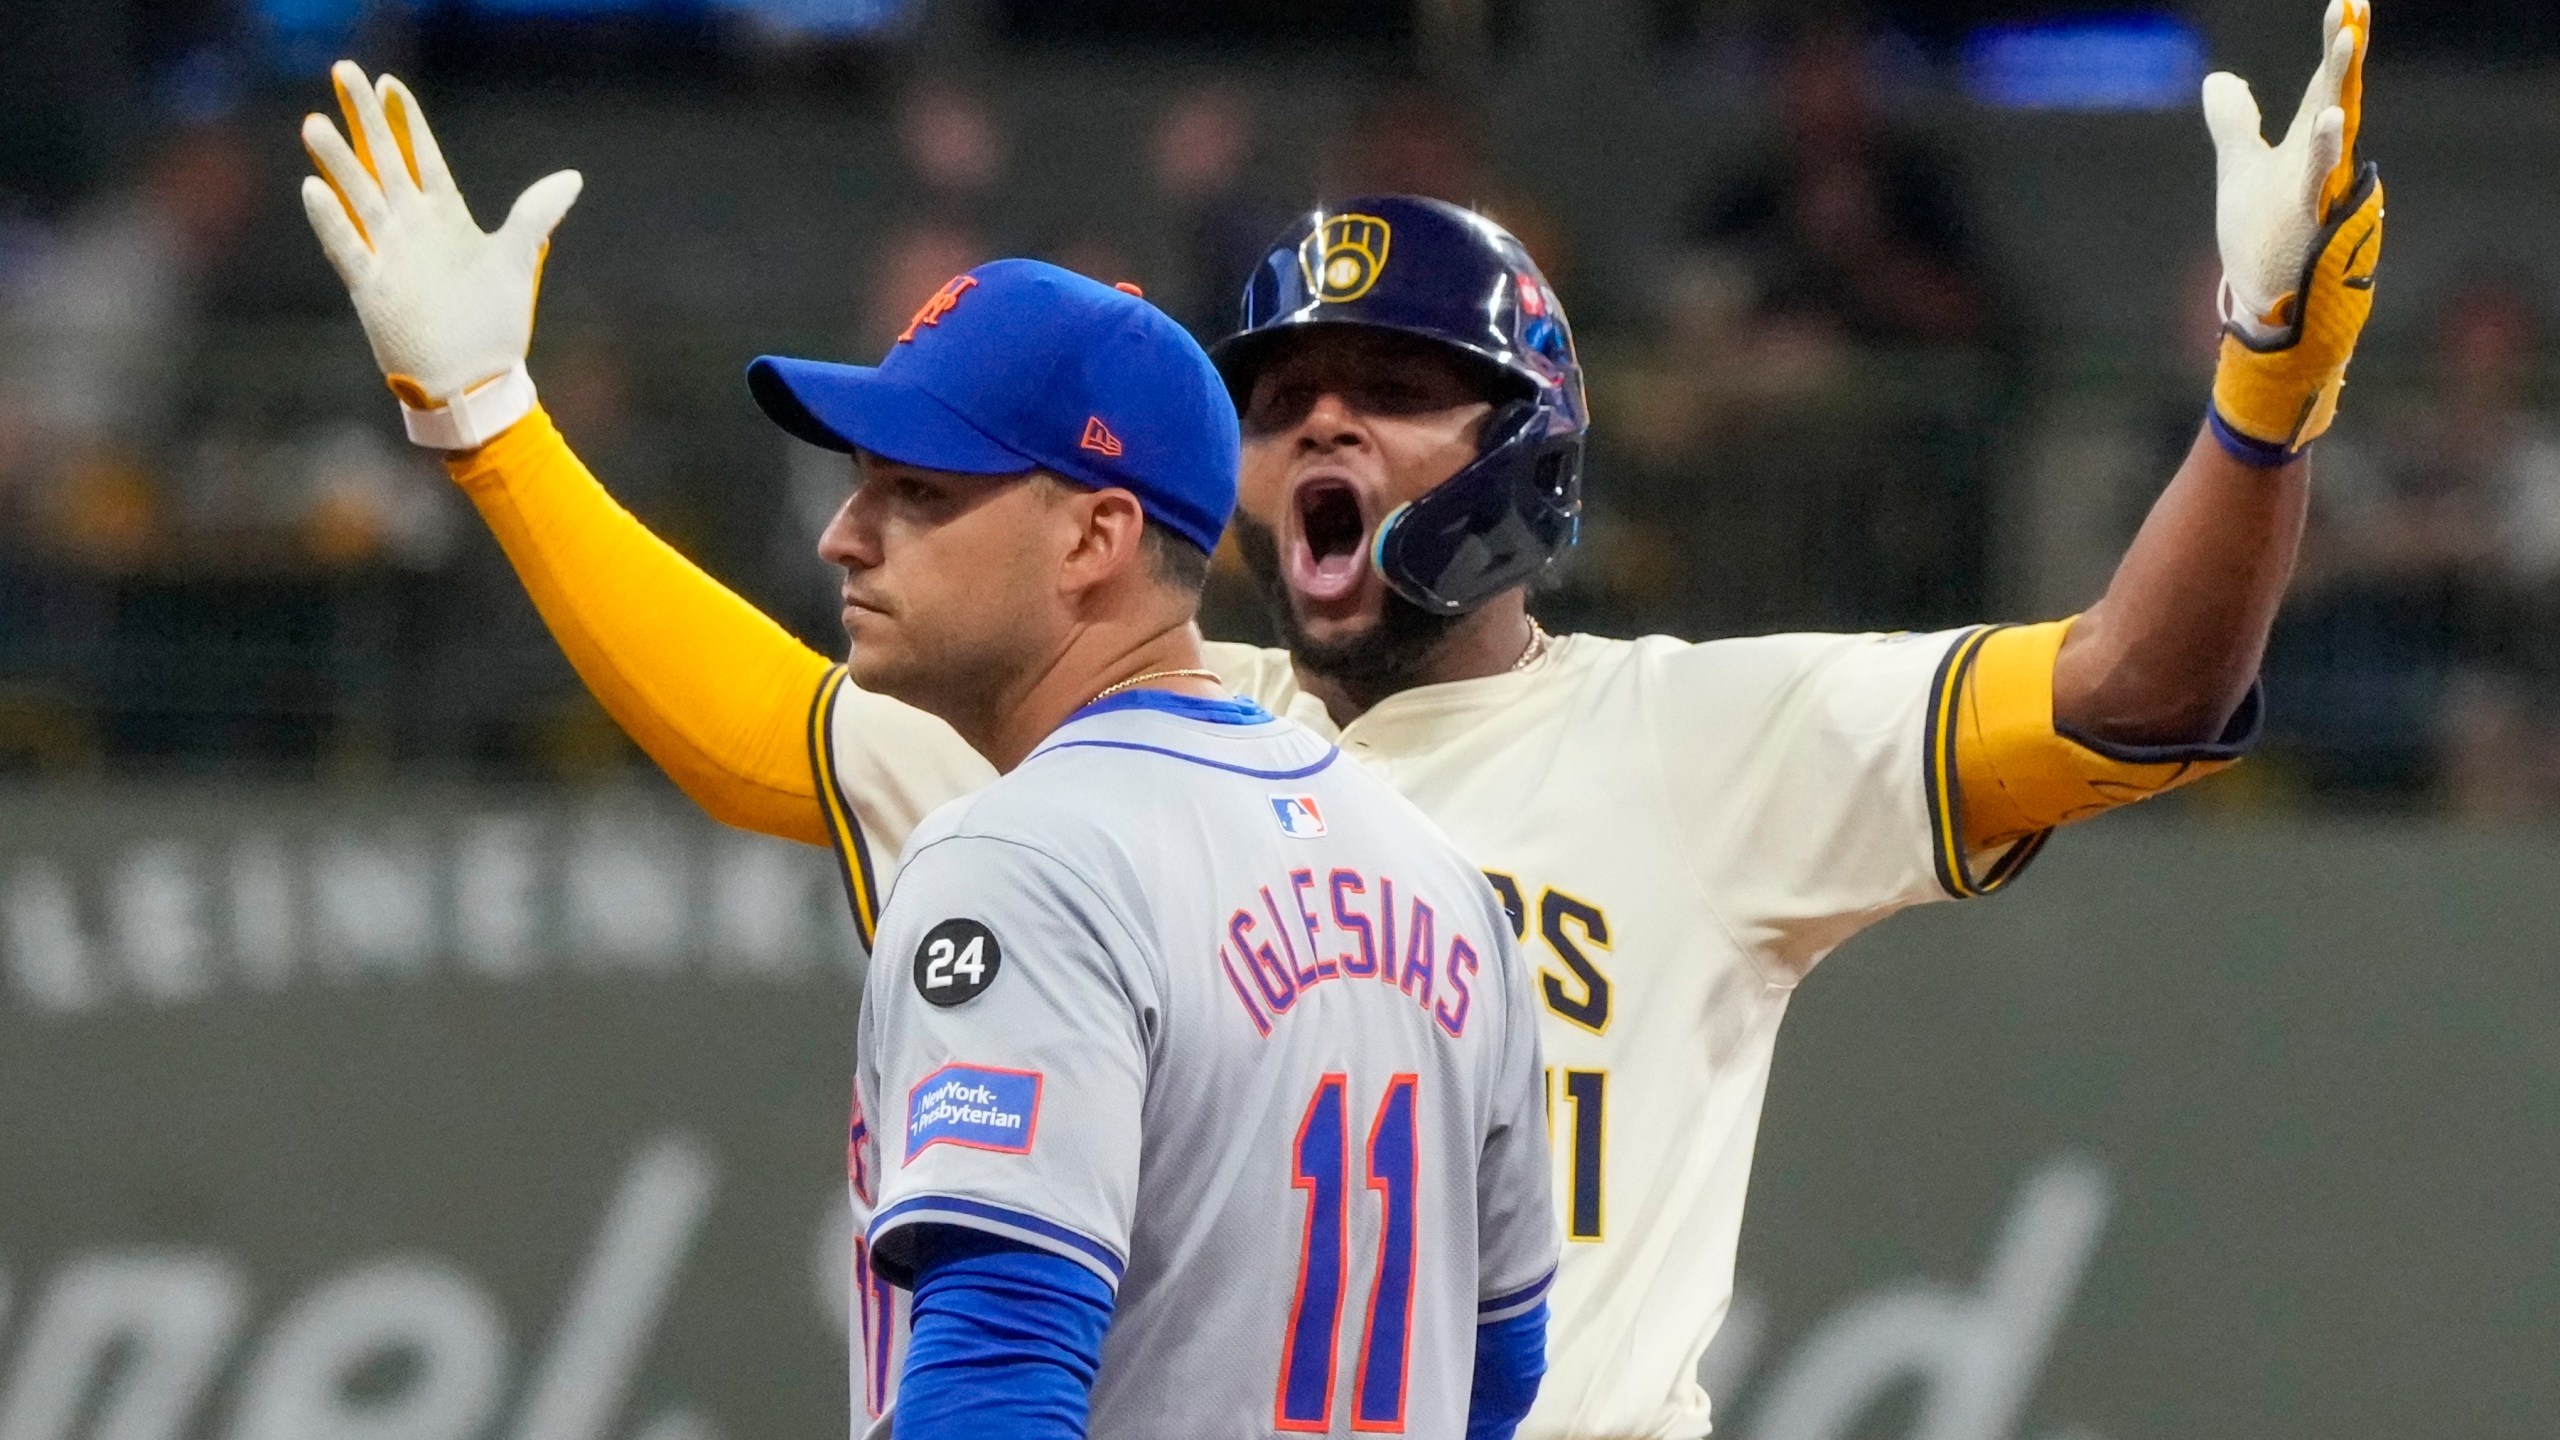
(1945, 796)
(951, 1209)
(844, 830)
(1300, 773)
(1519, 1297)
(1233, 710)
(2239, 736)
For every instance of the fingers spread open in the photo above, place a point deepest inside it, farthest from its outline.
(2322, 92)
(2231, 114)
(2328, 144)
(346, 78)
(539, 209)
(2351, 43)
(417, 142)
(339, 239)
(369, 129)
(344, 172)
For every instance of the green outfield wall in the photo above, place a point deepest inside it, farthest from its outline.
(506, 1115)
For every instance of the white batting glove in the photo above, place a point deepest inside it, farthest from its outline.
(447, 307)
(2300, 226)
(2268, 199)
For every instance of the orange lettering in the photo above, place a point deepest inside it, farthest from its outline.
(939, 306)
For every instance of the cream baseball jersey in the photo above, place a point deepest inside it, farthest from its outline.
(1191, 1001)
(1679, 833)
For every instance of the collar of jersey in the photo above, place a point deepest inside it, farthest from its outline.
(1234, 710)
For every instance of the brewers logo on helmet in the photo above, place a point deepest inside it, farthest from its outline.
(1344, 257)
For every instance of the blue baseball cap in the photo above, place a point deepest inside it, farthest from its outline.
(1019, 365)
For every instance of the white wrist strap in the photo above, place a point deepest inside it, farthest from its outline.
(476, 416)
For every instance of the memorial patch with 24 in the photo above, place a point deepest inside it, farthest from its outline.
(957, 962)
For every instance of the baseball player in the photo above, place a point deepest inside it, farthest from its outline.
(1189, 1039)
(1679, 832)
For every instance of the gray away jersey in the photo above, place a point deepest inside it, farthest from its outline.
(1194, 1002)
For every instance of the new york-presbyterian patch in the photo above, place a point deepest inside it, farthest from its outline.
(976, 1107)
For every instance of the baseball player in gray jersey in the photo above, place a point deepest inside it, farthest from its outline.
(1195, 1004)
(1200, 1088)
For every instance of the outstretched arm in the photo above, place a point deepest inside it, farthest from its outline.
(2169, 654)
(2166, 657)
(715, 692)
(2150, 688)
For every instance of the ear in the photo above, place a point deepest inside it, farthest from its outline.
(1107, 537)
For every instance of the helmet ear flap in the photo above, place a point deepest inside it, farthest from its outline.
(1504, 425)
(1495, 524)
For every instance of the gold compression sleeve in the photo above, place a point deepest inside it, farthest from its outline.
(712, 689)
(2018, 776)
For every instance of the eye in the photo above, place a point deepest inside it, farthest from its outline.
(1276, 407)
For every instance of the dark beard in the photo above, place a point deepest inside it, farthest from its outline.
(1390, 656)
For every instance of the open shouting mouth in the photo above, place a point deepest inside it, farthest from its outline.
(1328, 555)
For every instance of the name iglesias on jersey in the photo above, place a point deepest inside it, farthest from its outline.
(1346, 926)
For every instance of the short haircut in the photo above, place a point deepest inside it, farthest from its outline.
(1175, 559)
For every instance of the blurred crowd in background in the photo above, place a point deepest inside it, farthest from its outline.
(1821, 401)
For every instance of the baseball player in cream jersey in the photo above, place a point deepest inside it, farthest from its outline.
(1673, 883)
(1678, 832)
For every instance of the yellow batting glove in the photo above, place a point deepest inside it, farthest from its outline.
(447, 307)
(2300, 226)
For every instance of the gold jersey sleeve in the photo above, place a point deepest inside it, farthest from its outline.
(758, 729)
(2004, 775)
(714, 691)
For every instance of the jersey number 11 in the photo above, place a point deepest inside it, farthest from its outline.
(1321, 1168)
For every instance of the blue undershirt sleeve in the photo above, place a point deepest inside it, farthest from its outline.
(1511, 1358)
(1006, 1340)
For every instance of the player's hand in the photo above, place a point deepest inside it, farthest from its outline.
(447, 306)
(2300, 224)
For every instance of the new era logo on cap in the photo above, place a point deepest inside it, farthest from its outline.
(1298, 815)
(1098, 437)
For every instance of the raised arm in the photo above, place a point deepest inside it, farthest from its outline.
(2170, 652)
(715, 692)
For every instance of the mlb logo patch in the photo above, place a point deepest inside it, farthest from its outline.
(975, 1107)
(1298, 815)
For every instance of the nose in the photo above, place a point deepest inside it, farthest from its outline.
(850, 541)
(1331, 424)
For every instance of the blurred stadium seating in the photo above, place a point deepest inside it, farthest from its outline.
(1872, 345)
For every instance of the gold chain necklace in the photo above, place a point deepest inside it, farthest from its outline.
(1137, 680)
(1530, 654)
(1536, 649)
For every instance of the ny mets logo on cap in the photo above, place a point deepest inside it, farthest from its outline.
(1344, 256)
(1298, 815)
(940, 305)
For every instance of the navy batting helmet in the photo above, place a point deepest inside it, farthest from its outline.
(1427, 268)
